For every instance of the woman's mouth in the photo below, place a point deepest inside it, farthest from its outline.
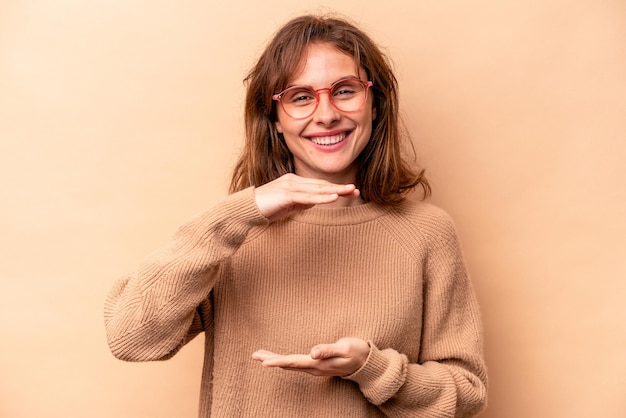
(328, 140)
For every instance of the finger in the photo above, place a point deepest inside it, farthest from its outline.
(335, 366)
(338, 189)
(262, 355)
(325, 190)
(316, 186)
(292, 361)
(326, 351)
(350, 192)
(323, 194)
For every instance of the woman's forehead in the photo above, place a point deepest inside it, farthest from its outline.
(323, 64)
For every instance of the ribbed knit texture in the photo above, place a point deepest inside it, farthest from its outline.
(391, 276)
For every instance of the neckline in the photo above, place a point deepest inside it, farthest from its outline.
(349, 215)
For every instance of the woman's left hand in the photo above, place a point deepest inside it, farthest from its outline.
(342, 358)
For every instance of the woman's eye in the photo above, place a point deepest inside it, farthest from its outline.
(344, 92)
(301, 97)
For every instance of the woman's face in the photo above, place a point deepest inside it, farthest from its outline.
(326, 144)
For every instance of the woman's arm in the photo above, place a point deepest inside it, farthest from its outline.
(152, 313)
(450, 378)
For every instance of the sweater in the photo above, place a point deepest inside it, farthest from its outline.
(392, 276)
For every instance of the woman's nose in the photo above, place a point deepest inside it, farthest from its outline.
(326, 112)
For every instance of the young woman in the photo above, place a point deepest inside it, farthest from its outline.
(322, 289)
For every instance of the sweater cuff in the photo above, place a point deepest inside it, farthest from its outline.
(382, 375)
(242, 206)
(229, 220)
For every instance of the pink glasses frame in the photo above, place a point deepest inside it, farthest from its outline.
(366, 86)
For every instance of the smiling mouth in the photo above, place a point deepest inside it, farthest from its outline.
(328, 140)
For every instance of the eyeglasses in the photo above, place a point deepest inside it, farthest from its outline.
(346, 95)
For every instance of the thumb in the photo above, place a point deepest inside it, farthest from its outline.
(324, 351)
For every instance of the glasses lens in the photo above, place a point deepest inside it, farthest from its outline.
(346, 95)
(299, 102)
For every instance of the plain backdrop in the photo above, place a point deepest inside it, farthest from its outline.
(120, 120)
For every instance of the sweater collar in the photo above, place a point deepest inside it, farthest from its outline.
(350, 215)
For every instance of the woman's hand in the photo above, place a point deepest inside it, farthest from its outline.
(342, 358)
(290, 192)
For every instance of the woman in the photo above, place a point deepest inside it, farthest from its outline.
(352, 298)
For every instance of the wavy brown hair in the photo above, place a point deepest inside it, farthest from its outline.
(384, 176)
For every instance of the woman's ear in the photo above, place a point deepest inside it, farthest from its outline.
(278, 126)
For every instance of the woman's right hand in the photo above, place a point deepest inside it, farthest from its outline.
(291, 192)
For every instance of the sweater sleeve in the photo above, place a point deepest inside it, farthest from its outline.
(151, 314)
(449, 379)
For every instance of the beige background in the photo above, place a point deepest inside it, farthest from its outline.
(119, 120)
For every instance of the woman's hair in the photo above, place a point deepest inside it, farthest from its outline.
(383, 177)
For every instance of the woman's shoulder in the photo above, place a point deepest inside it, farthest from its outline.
(420, 221)
(423, 214)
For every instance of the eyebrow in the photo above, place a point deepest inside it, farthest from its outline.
(331, 84)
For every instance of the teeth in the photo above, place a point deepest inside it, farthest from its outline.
(328, 140)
